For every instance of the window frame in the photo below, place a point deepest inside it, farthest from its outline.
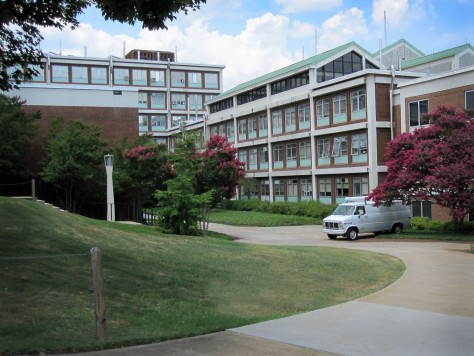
(419, 114)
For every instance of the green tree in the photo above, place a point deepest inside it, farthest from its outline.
(20, 37)
(18, 129)
(139, 170)
(74, 161)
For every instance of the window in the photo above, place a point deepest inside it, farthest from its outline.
(176, 120)
(290, 116)
(306, 189)
(470, 100)
(265, 188)
(339, 105)
(292, 189)
(243, 157)
(290, 83)
(340, 146)
(360, 186)
(349, 63)
(305, 150)
(263, 156)
(291, 152)
(252, 127)
(195, 80)
(242, 127)
(276, 121)
(178, 101)
(158, 122)
(279, 189)
(121, 76)
(178, 79)
(262, 122)
(79, 74)
(252, 95)
(222, 105)
(359, 144)
(158, 100)
(417, 109)
(142, 123)
(303, 113)
(342, 187)
(59, 73)
(325, 187)
(40, 76)
(211, 80)
(253, 158)
(139, 77)
(195, 101)
(323, 148)
(157, 78)
(278, 153)
(358, 100)
(142, 99)
(322, 109)
(230, 130)
(98, 75)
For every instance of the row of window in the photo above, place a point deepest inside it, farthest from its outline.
(338, 106)
(330, 151)
(82, 74)
(178, 101)
(347, 64)
(159, 122)
(330, 190)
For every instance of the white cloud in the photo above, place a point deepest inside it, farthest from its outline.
(302, 30)
(396, 12)
(259, 48)
(344, 27)
(296, 6)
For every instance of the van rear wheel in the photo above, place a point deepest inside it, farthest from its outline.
(397, 229)
(352, 234)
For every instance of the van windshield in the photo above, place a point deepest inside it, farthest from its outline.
(344, 210)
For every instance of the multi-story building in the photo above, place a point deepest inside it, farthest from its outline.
(146, 92)
(317, 129)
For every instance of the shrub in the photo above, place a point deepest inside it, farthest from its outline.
(424, 223)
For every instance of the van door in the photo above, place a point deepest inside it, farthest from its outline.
(361, 219)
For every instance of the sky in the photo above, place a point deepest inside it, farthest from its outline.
(253, 37)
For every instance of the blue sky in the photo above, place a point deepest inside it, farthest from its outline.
(252, 38)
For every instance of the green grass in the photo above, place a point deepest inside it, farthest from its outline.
(255, 218)
(157, 287)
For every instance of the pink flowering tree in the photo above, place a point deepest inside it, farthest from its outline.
(435, 163)
(140, 170)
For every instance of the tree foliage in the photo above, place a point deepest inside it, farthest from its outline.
(74, 161)
(139, 170)
(20, 23)
(17, 130)
(434, 162)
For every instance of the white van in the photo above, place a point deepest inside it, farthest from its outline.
(357, 215)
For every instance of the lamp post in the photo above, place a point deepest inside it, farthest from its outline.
(109, 166)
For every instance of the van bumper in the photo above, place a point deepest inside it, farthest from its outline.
(333, 228)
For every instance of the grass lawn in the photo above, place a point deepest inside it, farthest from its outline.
(157, 287)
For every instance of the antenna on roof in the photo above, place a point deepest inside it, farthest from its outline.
(316, 42)
(124, 49)
(60, 51)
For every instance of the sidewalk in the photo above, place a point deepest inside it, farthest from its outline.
(428, 311)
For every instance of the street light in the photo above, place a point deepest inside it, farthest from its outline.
(109, 166)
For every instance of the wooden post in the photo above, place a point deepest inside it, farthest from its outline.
(98, 286)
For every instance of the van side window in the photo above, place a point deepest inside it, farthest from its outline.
(360, 210)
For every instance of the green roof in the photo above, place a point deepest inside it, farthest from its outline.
(436, 56)
(395, 44)
(291, 68)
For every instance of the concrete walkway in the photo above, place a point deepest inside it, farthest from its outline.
(428, 311)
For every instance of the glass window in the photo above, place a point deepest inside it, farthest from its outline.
(303, 113)
(142, 123)
(339, 105)
(211, 80)
(470, 100)
(277, 119)
(290, 116)
(252, 125)
(195, 101)
(195, 80)
(292, 188)
(242, 127)
(99, 75)
(323, 148)
(306, 188)
(178, 79)
(291, 151)
(359, 144)
(253, 158)
(121, 76)
(59, 73)
(142, 99)
(322, 109)
(358, 100)
(40, 76)
(243, 157)
(325, 187)
(79, 74)
(279, 187)
(360, 186)
(140, 77)
(158, 100)
(263, 154)
(158, 122)
(176, 120)
(230, 129)
(157, 78)
(417, 109)
(340, 146)
(262, 122)
(178, 101)
(305, 150)
(278, 153)
(342, 187)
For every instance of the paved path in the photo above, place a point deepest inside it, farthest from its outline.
(428, 311)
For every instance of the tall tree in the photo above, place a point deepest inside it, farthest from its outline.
(74, 161)
(434, 162)
(18, 128)
(20, 20)
(140, 170)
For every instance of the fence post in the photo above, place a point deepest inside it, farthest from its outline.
(33, 189)
(98, 286)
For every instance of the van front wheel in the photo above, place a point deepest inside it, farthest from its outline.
(332, 237)
(397, 229)
(352, 234)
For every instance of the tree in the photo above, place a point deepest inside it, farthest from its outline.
(20, 36)
(74, 161)
(435, 162)
(140, 170)
(18, 128)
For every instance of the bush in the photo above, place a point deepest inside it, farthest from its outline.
(312, 209)
(424, 223)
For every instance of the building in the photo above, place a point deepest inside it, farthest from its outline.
(146, 92)
(317, 129)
